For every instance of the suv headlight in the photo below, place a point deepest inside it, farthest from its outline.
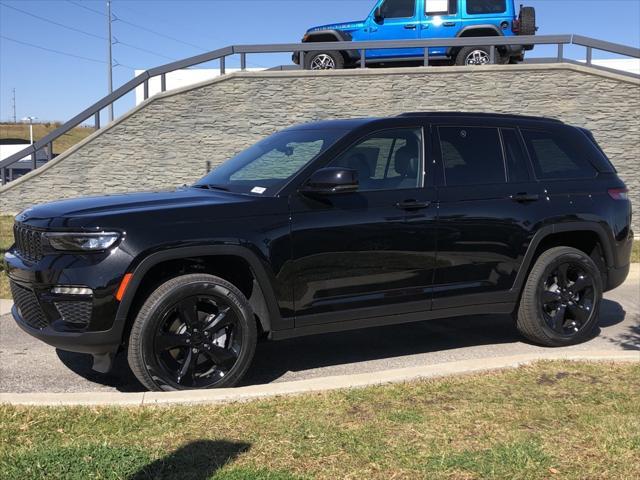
(82, 242)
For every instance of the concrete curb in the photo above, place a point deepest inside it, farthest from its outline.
(5, 306)
(307, 386)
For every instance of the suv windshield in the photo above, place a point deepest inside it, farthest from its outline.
(267, 166)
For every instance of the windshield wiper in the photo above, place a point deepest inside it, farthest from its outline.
(211, 186)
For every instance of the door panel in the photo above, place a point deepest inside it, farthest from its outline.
(441, 20)
(359, 255)
(485, 223)
(401, 22)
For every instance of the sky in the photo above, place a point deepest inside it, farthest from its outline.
(149, 33)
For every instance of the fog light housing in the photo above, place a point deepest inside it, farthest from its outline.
(72, 291)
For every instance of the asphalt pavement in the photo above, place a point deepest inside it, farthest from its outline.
(27, 365)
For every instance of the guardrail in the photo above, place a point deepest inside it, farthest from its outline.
(221, 54)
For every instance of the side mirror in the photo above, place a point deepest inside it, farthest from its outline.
(333, 180)
(377, 15)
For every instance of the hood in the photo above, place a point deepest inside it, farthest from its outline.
(344, 27)
(98, 211)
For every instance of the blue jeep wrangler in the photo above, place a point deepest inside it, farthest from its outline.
(424, 19)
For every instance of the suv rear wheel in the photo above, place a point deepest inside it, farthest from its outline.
(193, 332)
(561, 299)
(323, 61)
(476, 56)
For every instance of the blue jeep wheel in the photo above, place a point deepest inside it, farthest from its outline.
(323, 61)
(474, 56)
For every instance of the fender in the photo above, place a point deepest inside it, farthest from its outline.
(470, 28)
(257, 268)
(330, 36)
(605, 241)
(321, 36)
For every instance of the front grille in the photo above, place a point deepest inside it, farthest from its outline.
(76, 313)
(28, 242)
(28, 305)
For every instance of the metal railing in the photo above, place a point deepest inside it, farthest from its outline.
(590, 44)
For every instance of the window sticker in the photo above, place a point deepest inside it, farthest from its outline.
(259, 190)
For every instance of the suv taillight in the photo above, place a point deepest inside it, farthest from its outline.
(619, 193)
(515, 26)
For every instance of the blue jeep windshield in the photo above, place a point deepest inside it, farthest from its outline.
(267, 166)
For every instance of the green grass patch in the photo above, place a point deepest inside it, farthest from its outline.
(549, 420)
(6, 240)
(635, 253)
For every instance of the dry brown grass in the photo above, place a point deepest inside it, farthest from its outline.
(20, 130)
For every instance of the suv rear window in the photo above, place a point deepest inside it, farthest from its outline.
(556, 156)
(478, 7)
(471, 155)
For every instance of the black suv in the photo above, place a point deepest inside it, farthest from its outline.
(331, 226)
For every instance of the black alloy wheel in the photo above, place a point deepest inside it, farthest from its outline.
(194, 332)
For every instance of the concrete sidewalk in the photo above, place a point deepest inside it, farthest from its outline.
(305, 386)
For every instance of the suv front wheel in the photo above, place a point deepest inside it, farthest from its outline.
(323, 61)
(561, 298)
(194, 332)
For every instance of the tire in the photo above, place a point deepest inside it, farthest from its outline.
(482, 56)
(330, 60)
(527, 21)
(213, 326)
(561, 313)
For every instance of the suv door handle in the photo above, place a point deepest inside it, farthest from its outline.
(449, 24)
(412, 205)
(525, 197)
(410, 27)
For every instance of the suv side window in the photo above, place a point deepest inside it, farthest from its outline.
(483, 7)
(471, 155)
(556, 157)
(440, 7)
(386, 160)
(398, 8)
(515, 156)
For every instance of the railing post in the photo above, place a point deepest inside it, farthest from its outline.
(243, 61)
(302, 59)
(96, 121)
(426, 56)
(363, 59)
(492, 54)
(146, 89)
(33, 160)
(560, 52)
(163, 82)
(589, 55)
(222, 65)
(50, 152)
(3, 174)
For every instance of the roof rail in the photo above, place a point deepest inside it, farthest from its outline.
(479, 114)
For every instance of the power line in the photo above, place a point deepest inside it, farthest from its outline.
(73, 29)
(52, 50)
(116, 63)
(118, 42)
(78, 4)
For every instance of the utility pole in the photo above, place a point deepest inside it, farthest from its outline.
(14, 106)
(110, 62)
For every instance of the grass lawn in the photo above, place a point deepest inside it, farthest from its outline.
(21, 130)
(549, 420)
(6, 239)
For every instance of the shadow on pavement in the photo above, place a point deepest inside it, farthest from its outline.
(274, 359)
(195, 461)
(121, 377)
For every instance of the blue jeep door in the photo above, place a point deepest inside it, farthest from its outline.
(399, 20)
(441, 20)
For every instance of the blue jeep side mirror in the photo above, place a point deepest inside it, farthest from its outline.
(377, 15)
